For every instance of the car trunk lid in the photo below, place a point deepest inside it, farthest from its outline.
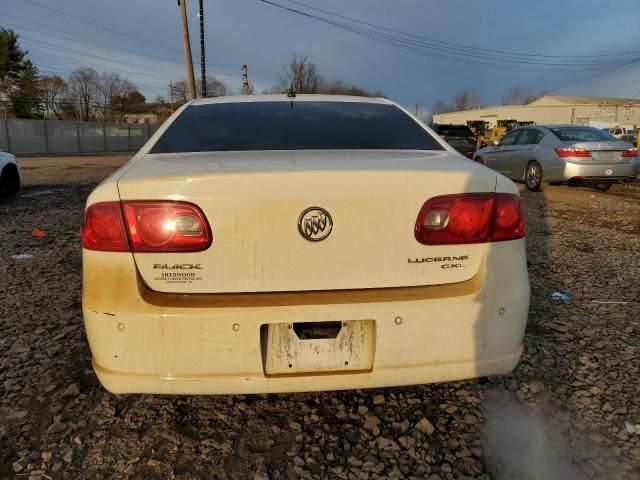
(254, 202)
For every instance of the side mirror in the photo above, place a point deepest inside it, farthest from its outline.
(496, 143)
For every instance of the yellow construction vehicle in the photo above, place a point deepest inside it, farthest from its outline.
(483, 132)
(486, 135)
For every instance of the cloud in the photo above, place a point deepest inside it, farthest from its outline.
(248, 31)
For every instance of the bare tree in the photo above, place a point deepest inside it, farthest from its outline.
(466, 100)
(113, 92)
(302, 74)
(215, 88)
(84, 90)
(540, 94)
(521, 95)
(516, 96)
(54, 91)
(180, 92)
(440, 107)
(275, 89)
(338, 87)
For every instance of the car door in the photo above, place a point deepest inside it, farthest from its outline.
(523, 151)
(498, 158)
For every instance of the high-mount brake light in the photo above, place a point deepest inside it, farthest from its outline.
(146, 226)
(470, 218)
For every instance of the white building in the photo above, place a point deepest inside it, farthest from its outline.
(600, 112)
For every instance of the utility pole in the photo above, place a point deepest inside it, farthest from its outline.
(203, 70)
(245, 80)
(187, 49)
(171, 95)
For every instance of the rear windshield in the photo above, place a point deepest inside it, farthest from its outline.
(581, 134)
(297, 125)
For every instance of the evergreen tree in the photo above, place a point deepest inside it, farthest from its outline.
(26, 96)
(11, 59)
(19, 81)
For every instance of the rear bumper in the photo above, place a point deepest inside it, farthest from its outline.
(600, 173)
(120, 382)
(144, 342)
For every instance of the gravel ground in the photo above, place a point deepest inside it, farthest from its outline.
(560, 415)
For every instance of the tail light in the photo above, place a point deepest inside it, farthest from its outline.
(103, 228)
(573, 152)
(508, 219)
(149, 226)
(631, 152)
(470, 218)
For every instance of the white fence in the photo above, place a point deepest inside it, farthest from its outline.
(29, 137)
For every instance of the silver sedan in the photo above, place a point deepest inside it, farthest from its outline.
(571, 154)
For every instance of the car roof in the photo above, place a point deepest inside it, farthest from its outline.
(284, 98)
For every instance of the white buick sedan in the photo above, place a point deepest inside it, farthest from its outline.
(272, 244)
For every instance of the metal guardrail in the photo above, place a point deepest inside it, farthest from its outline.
(31, 137)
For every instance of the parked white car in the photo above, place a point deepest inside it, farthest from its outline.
(10, 176)
(274, 244)
(621, 133)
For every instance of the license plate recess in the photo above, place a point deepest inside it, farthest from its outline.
(287, 349)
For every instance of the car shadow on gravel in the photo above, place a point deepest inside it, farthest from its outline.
(535, 425)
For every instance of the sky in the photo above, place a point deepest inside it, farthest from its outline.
(571, 47)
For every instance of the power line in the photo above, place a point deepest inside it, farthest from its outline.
(84, 39)
(76, 63)
(444, 53)
(50, 70)
(109, 29)
(213, 65)
(210, 63)
(507, 65)
(71, 103)
(462, 46)
(65, 61)
(582, 80)
(73, 64)
(51, 46)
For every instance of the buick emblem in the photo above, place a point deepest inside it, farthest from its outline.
(315, 224)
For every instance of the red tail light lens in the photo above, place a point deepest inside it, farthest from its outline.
(152, 226)
(573, 152)
(508, 219)
(470, 218)
(631, 152)
(166, 227)
(103, 228)
(453, 219)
